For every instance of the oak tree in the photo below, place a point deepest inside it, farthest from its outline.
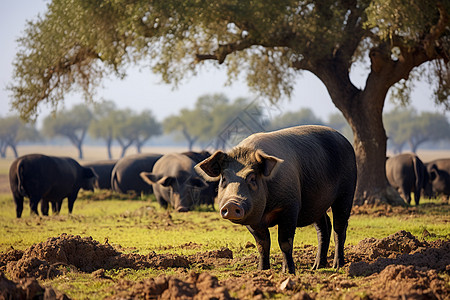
(75, 43)
(72, 124)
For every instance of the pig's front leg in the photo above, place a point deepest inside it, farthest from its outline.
(286, 232)
(262, 238)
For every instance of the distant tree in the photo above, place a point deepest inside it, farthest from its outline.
(428, 127)
(215, 120)
(13, 131)
(104, 124)
(135, 129)
(72, 124)
(304, 116)
(399, 124)
(146, 126)
(233, 121)
(189, 124)
(405, 126)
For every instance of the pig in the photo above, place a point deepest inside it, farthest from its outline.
(103, 170)
(406, 173)
(48, 179)
(439, 178)
(125, 174)
(208, 194)
(288, 178)
(175, 182)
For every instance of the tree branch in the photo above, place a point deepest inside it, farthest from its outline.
(224, 49)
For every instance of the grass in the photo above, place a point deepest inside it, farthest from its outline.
(140, 226)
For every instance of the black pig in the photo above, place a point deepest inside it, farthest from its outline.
(48, 179)
(288, 177)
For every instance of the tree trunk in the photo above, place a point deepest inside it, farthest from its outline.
(138, 147)
(370, 143)
(108, 146)
(14, 149)
(80, 151)
(363, 111)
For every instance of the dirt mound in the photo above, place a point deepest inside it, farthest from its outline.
(85, 254)
(406, 282)
(198, 286)
(402, 248)
(27, 288)
(11, 255)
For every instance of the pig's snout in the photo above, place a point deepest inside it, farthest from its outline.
(232, 211)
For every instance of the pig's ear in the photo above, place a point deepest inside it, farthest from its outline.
(197, 182)
(211, 167)
(269, 164)
(149, 177)
(433, 172)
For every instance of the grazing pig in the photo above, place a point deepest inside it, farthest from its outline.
(439, 177)
(175, 182)
(49, 178)
(125, 174)
(406, 173)
(208, 194)
(103, 170)
(288, 177)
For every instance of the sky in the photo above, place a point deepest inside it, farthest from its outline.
(143, 90)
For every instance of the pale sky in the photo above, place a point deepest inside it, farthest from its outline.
(143, 90)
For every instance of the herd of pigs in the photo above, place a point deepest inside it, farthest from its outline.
(289, 178)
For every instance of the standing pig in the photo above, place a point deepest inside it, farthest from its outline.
(406, 173)
(439, 178)
(48, 179)
(125, 174)
(103, 170)
(288, 177)
(175, 182)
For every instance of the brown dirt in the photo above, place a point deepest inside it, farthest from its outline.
(27, 288)
(396, 267)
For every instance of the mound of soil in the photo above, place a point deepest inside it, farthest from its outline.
(85, 254)
(402, 248)
(406, 282)
(198, 286)
(27, 288)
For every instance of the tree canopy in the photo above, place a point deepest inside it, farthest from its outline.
(76, 43)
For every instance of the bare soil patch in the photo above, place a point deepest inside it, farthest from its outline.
(398, 266)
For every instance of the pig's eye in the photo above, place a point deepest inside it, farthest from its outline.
(223, 181)
(251, 180)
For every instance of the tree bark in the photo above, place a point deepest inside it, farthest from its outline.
(363, 110)
(108, 146)
(370, 143)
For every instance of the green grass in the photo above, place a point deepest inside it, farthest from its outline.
(141, 226)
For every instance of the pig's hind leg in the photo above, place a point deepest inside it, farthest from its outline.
(341, 215)
(323, 228)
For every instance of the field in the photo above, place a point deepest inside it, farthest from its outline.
(126, 247)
